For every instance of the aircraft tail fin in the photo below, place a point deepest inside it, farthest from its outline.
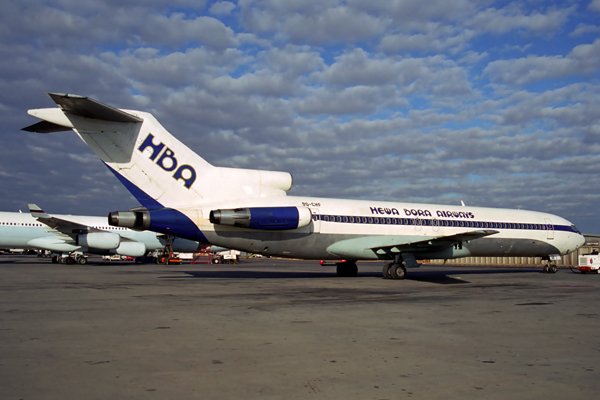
(159, 170)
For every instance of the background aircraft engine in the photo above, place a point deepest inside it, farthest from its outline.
(99, 240)
(132, 249)
(265, 218)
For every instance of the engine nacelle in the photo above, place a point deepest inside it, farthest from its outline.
(164, 220)
(99, 240)
(130, 219)
(132, 249)
(264, 218)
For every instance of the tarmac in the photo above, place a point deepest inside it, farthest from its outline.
(285, 329)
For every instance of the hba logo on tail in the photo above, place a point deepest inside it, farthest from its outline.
(164, 157)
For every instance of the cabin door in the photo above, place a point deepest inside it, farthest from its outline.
(549, 228)
(316, 220)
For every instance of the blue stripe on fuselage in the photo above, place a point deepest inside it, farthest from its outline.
(351, 219)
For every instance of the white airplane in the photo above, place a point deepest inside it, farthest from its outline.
(182, 194)
(76, 234)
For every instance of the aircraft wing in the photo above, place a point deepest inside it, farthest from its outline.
(387, 246)
(67, 227)
(59, 224)
(70, 236)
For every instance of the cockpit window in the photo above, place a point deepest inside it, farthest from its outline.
(575, 229)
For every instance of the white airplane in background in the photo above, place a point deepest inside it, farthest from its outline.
(183, 195)
(76, 234)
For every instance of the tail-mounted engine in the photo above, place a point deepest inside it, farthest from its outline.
(164, 220)
(264, 218)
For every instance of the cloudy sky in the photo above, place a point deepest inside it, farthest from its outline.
(492, 103)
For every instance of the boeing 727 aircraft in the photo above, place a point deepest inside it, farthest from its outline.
(183, 195)
(76, 234)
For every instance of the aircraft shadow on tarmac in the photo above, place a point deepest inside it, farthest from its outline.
(439, 276)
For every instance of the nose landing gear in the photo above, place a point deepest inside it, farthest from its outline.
(550, 268)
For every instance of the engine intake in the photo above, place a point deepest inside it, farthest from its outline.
(263, 218)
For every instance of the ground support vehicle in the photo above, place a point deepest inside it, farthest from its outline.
(589, 263)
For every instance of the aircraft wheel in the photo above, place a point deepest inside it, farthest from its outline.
(553, 269)
(82, 261)
(61, 259)
(55, 259)
(546, 269)
(347, 269)
(353, 269)
(70, 261)
(398, 271)
(386, 270)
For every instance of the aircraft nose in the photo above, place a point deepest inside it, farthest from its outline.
(580, 241)
(574, 243)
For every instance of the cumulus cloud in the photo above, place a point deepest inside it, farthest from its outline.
(513, 17)
(222, 8)
(584, 59)
(434, 40)
(583, 29)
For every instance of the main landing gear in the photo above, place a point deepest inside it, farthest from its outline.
(393, 270)
(397, 268)
(73, 258)
(346, 269)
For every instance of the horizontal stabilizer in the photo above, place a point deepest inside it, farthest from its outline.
(90, 108)
(45, 127)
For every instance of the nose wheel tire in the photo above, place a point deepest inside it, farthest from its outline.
(550, 268)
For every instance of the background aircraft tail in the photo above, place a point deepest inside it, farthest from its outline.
(158, 169)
